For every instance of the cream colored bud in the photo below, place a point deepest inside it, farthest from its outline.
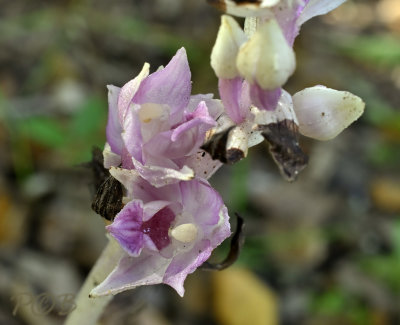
(223, 56)
(267, 58)
(185, 233)
(323, 112)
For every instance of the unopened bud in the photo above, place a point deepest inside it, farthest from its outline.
(267, 58)
(323, 112)
(223, 56)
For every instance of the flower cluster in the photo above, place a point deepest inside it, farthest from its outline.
(252, 67)
(172, 218)
(163, 144)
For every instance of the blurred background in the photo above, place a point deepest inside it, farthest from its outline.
(323, 250)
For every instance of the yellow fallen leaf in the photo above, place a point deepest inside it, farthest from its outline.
(386, 195)
(241, 298)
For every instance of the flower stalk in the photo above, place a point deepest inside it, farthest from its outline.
(89, 309)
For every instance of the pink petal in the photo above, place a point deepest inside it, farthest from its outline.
(186, 263)
(292, 15)
(190, 135)
(171, 85)
(287, 14)
(141, 189)
(132, 136)
(205, 205)
(147, 269)
(182, 141)
(231, 92)
(316, 8)
(215, 107)
(265, 99)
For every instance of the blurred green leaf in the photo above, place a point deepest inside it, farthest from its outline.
(383, 50)
(254, 253)
(384, 154)
(338, 303)
(396, 238)
(238, 194)
(89, 118)
(384, 268)
(43, 130)
(331, 302)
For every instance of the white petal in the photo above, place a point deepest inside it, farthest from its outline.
(267, 58)
(110, 158)
(129, 90)
(323, 112)
(223, 56)
(161, 176)
(202, 164)
(284, 111)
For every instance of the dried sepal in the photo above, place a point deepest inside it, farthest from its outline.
(283, 139)
(237, 242)
(216, 147)
(108, 199)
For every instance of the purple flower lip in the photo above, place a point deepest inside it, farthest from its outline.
(158, 226)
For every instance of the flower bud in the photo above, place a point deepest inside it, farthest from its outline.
(223, 56)
(266, 59)
(323, 112)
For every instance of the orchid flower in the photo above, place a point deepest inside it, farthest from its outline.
(156, 127)
(164, 233)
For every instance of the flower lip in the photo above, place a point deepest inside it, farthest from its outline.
(157, 227)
